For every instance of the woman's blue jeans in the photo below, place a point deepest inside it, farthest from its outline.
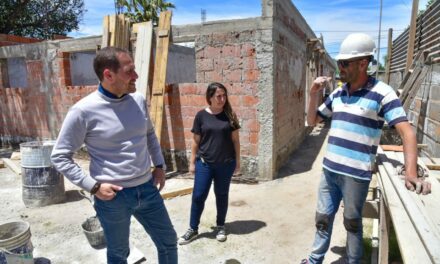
(333, 188)
(146, 205)
(205, 174)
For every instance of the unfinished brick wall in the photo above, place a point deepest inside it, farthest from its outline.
(228, 58)
(34, 112)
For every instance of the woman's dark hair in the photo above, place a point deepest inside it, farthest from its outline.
(212, 88)
(107, 58)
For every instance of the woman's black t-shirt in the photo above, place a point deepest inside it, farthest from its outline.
(215, 132)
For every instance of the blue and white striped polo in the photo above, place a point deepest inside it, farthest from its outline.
(356, 126)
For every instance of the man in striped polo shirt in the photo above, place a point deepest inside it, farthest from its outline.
(358, 111)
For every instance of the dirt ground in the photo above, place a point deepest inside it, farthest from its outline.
(269, 222)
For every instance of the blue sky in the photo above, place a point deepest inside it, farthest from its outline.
(334, 19)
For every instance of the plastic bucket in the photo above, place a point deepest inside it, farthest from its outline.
(15, 243)
(94, 232)
(42, 183)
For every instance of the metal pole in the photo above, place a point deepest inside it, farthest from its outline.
(378, 41)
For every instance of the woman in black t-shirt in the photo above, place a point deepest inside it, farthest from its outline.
(215, 155)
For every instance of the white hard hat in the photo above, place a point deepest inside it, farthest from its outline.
(356, 45)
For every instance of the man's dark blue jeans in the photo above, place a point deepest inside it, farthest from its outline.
(146, 205)
(205, 174)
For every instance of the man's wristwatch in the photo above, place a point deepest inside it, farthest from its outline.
(95, 188)
(160, 166)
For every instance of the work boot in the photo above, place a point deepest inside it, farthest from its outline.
(221, 234)
(189, 236)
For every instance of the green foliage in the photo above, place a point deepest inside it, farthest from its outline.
(143, 10)
(40, 18)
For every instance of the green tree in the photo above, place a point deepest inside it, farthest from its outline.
(142, 10)
(40, 18)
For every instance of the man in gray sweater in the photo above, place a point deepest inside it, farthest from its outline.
(114, 124)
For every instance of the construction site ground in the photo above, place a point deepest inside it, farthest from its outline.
(269, 222)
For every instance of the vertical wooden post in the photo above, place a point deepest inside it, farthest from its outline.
(160, 70)
(384, 222)
(116, 32)
(412, 34)
(389, 55)
(143, 56)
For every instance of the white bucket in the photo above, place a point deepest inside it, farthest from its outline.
(15, 243)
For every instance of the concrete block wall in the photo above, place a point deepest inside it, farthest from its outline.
(289, 74)
(424, 112)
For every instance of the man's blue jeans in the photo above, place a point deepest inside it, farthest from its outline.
(333, 188)
(146, 205)
(221, 174)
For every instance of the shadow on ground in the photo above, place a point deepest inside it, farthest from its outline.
(302, 159)
(240, 227)
(74, 195)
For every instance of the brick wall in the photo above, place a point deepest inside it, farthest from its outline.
(27, 113)
(8, 40)
(228, 58)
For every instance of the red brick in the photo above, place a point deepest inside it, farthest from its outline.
(200, 77)
(233, 76)
(251, 75)
(187, 88)
(205, 64)
(228, 63)
(212, 52)
(250, 101)
(231, 51)
(253, 150)
(200, 54)
(251, 125)
(247, 50)
(250, 63)
(213, 76)
(253, 137)
(234, 100)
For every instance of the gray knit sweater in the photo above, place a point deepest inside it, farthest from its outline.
(119, 137)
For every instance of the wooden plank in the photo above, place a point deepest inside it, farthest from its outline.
(142, 56)
(428, 205)
(180, 192)
(399, 147)
(412, 33)
(116, 31)
(433, 166)
(11, 165)
(415, 87)
(384, 224)
(375, 242)
(159, 77)
(426, 230)
(105, 32)
(15, 156)
(411, 248)
(112, 30)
